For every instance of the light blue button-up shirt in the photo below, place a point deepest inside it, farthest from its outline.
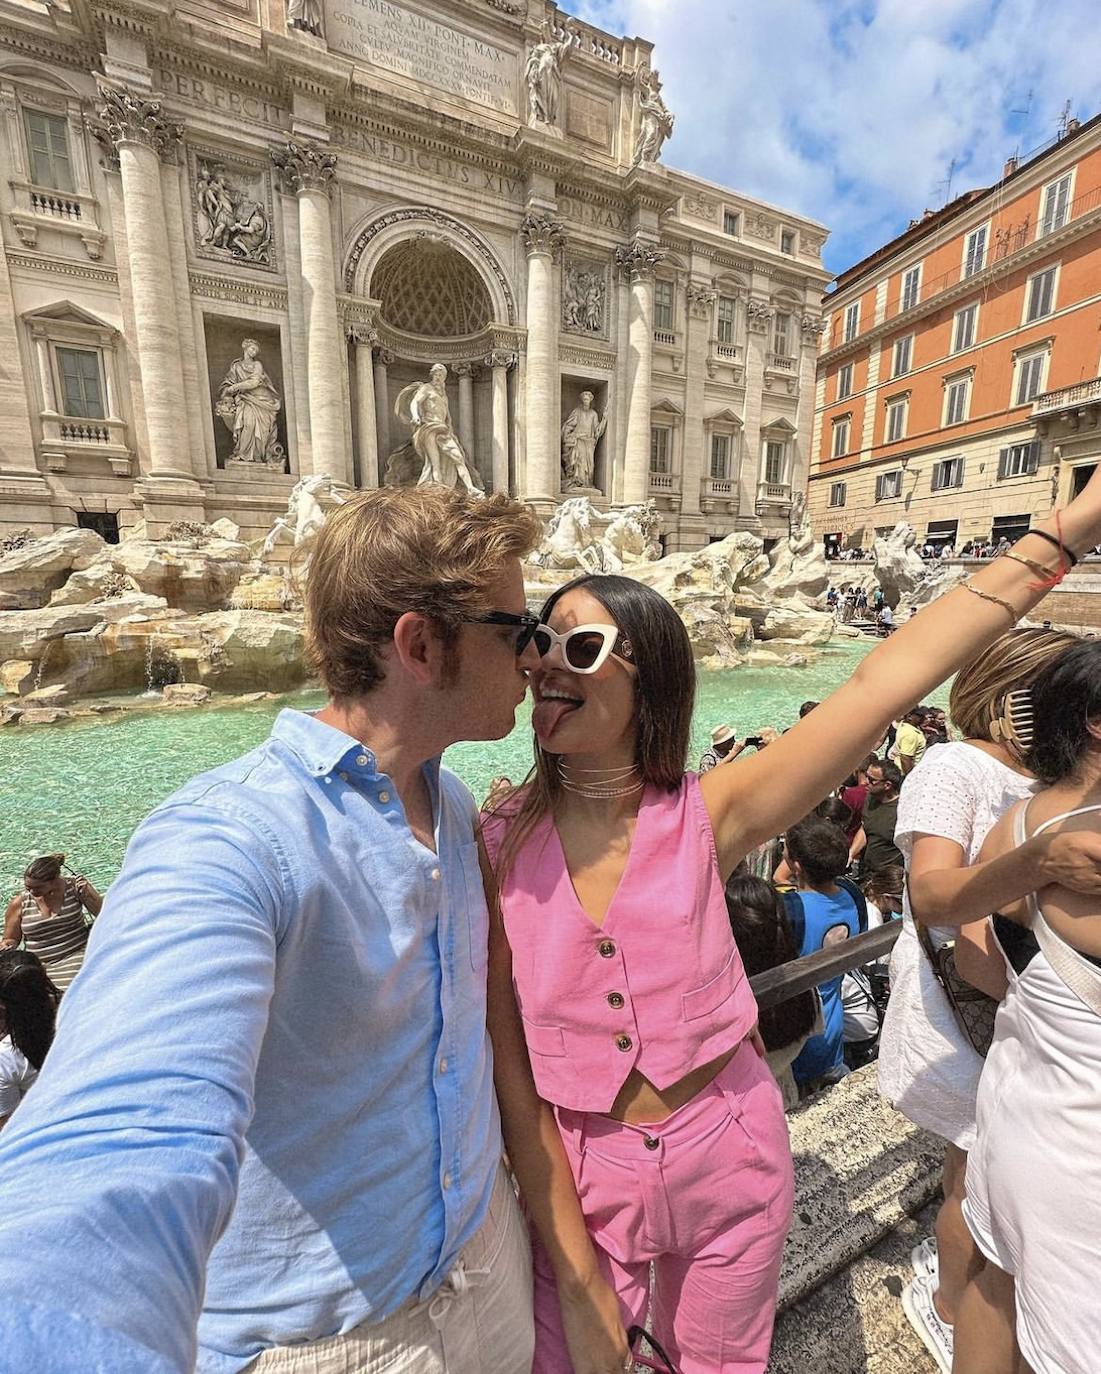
(277, 1043)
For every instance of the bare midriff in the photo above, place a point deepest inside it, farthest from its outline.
(639, 1103)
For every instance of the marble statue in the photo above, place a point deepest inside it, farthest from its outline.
(543, 75)
(424, 406)
(583, 299)
(310, 501)
(249, 405)
(580, 436)
(579, 536)
(305, 15)
(229, 218)
(655, 121)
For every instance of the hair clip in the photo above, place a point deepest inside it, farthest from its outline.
(1014, 724)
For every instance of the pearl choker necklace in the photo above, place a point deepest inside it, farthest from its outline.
(599, 783)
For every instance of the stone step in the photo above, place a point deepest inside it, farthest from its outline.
(854, 1323)
(861, 1171)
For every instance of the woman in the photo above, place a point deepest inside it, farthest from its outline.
(249, 404)
(927, 1067)
(28, 1007)
(48, 917)
(1034, 1180)
(630, 1071)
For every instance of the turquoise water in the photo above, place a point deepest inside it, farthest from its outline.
(82, 788)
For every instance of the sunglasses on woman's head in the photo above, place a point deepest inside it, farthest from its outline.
(585, 648)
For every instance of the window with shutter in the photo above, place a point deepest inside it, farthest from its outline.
(730, 222)
(663, 304)
(963, 328)
(1040, 297)
(896, 421)
(81, 387)
(660, 443)
(1019, 460)
(720, 456)
(48, 146)
(725, 320)
(837, 494)
(903, 352)
(852, 321)
(911, 286)
(1030, 377)
(956, 397)
(840, 438)
(1056, 205)
(775, 462)
(974, 253)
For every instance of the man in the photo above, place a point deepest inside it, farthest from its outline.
(875, 841)
(580, 435)
(885, 620)
(278, 1041)
(910, 740)
(425, 407)
(725, 746)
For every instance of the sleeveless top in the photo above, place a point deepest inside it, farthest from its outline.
(58, 940)
(659, 987)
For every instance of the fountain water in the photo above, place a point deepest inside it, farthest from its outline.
(40, 670)
(150, 643)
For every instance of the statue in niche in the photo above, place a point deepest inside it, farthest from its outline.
(655, 121)
(583, 299)
(229, 218)
(305, 15)
(580, 436)
(249, 405)
(424, 406)
(543, 75)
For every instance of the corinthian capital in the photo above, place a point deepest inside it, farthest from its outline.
(542, 234)
(758, 316)
(128, 118)
(304, 166)
(701, 300)
(639, 258)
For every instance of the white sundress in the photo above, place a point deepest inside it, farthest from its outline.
(927, 1068)
(1034, 1177)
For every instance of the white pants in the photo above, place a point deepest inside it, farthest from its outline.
(478, 1321)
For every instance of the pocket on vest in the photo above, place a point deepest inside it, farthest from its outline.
(708, 998)
(547, 1040)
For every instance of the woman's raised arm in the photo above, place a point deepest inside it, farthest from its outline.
(757, 798)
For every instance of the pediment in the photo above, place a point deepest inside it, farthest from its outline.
(780, 425)
(726, 416)
(668, 408)
(65, 312)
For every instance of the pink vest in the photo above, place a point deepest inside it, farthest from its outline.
(659, 987)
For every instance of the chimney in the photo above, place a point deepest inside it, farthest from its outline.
(1010, 166)
(1073, 125)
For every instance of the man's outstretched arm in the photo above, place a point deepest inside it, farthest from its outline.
(119, 1170)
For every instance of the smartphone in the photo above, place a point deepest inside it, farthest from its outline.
(754, 742)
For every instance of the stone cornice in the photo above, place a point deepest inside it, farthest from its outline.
(302, 67)
(65, 267)
(230, 69)
(209, 286)
(78, 54)
(343, 118)
(579, 356)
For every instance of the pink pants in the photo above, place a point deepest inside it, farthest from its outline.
(705, 1196)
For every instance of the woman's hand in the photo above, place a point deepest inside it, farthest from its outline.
(595, 1338)
(1072, 860)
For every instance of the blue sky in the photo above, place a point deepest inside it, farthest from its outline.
(854, 111)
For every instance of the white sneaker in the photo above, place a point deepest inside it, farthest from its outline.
(924, 1259)
(921, 1313)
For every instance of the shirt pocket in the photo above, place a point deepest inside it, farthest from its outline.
(709, 997)
(547, 1041)
(476, 916)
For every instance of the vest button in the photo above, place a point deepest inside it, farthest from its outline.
(615, 999)
(606, 948)
(624, 1043)
(650, 1142)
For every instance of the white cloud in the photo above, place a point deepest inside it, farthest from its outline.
(853, 110)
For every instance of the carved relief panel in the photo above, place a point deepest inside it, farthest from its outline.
(585, 297)
(231, 209)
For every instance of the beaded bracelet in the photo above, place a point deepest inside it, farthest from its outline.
(1068, 554)
(1014, 616)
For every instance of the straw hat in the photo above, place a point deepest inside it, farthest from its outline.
(721, 734)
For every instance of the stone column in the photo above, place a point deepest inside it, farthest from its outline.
(137, 136)
(499, 364)
(465, 374)
(697, 461)
(306, 170)
(637, 260)
(364, 338)
(383, 359)
(811, 328)
(750, 474)
(543, 237)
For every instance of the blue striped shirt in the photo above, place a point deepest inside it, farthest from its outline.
(272, 1076)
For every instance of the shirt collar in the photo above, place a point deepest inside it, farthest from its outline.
(322, 748)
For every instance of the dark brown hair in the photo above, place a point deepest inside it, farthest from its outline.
(819, 848)
(45, 869)
(28, 1001)
(765, 940)
(665, 695)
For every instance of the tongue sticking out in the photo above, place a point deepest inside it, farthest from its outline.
(547, 716)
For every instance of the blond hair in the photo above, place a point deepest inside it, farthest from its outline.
(1011, 662)
(385, 552)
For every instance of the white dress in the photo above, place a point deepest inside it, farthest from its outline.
(1034, 1178)
(927, 1068)
(16, 1076)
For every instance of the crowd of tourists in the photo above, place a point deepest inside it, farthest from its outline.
(332, 1023)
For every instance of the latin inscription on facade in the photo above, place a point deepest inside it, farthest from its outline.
(379, 148)
(223, 98)
(397, 39)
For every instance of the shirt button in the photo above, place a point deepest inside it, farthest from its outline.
(384, 797)
(343, 777)
(606, 948)
(443, 1066)
(624, 1043)
(615, 999)
(435, 875)
(651, 1143)
(362, 760)
(446, 1181)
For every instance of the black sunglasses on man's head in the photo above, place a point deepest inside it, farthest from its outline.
(527, 622)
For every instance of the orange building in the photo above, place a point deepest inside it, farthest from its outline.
(959, 378)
